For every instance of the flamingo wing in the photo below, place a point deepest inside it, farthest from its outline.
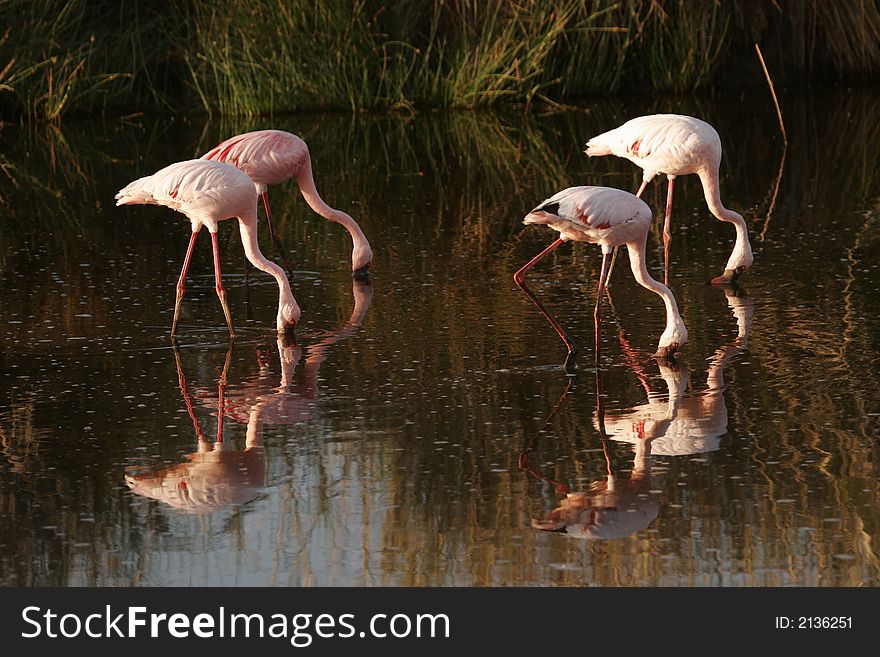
(668, 143)
(594, 207)
(199, 188)
(268, 157)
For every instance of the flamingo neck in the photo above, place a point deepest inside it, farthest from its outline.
(254, 435)
(741, 256)
(288, 309)
(675, 333)
(361, 254)
(742, 311)
(676, 380)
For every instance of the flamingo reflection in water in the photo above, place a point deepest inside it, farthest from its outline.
(682, 425)
(611, 507)
(214, 477)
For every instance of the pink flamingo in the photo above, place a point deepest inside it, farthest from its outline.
(271, 157)
(607, 217)
(678, 145)
(207, 193)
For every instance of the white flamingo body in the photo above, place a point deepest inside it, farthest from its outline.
(661, 143)
(207, 193)
(610, 218)
(678, 145)
(268, 157)
(271, 157)
(598, 215)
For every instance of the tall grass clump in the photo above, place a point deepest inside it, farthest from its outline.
(263, 57)
(591, 56)
(271, 56)
(81, 55)
(681, 42)
(816, 40)
(279, 55)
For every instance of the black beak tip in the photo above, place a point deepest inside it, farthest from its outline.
(288, 336)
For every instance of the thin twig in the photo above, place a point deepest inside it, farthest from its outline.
(784, 142)
(772, 93)
(775, 193)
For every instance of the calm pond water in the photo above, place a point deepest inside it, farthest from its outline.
(421, 430)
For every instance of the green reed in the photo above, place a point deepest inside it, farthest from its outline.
(271, 56)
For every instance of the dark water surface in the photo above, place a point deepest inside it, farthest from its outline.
(421, 429)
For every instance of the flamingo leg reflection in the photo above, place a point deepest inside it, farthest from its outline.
(184, 390)
(523, 459)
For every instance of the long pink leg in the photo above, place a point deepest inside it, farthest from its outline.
(181, 282)
(519, 276)
(519, 279)
(279, 249)
(616, 248)
(218, 284)
(597, 312)
(667, 235)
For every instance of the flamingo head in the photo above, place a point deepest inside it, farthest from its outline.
(361, 259)
(730, 275)
(288, 316)
(741, 258)
(673, 338)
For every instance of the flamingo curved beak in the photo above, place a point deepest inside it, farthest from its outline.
(667, 353)
(288, 335)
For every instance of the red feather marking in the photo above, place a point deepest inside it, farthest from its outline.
(224, 154)
(634, 147)
(639, 428)
(173, 193)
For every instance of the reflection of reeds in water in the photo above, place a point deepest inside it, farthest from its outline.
(410, 476)
(19, 437)
(830, 162)
(817, 351)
